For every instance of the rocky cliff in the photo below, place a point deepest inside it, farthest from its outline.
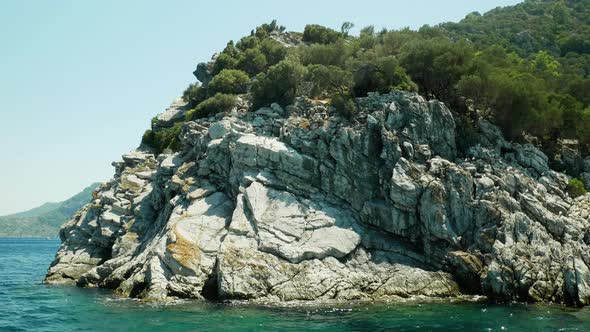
(300, 204)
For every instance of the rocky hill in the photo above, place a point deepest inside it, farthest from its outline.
(45, 220)
(303, 204)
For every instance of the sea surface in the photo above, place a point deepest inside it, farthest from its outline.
(26, 304)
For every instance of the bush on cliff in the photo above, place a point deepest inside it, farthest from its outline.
(224, 61)
(163, 139)
(436, 64)
(267, 28)
(252, 61)
(217, 104)
(335, 54)
(273, 51)
(229, 81)
(380, 74)
(252, 54)
(279, 84)
(314, 33)
(344, 105)
(194, 94)
(328, 80)
(575, 188)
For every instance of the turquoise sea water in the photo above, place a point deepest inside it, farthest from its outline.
(28, 305)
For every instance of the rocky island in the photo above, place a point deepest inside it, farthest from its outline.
(273, 185)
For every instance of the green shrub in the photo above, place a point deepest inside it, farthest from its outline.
(224, 61)
(216, 104)
(231, 49)
(264, 30)
(334, 54)
(229, 81)
(314, 33)
(346, 27)
(575, 188)
(194, 94)
(328, 80)
(367, 38)
(273, 51)
(583, 126)
(344, 105)
(580, 89)
(279, 84)
(247, 43)
(252, 61)
(436, 64)
(252, 54)
(164, 139)
(466, 135)
(518, 101)
(148, 138)
(381, 75)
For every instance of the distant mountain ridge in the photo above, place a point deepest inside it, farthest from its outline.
(45, 220)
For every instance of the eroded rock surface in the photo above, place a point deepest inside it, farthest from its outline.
(299, 204)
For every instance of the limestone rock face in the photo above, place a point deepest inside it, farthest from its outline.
(300, 204)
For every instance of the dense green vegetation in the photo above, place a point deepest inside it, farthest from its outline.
(525, 68)
(45, 220)
(531, 68)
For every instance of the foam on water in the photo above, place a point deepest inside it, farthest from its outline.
(28, 305)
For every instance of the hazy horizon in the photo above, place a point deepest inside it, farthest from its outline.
(82, 79)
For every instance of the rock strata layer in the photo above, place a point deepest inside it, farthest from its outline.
(300, 204)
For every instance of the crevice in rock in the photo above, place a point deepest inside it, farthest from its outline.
(210, 290)
(329, 289)
(576, 295)
(270, 288)
(251, 220)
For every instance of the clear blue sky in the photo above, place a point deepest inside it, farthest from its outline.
(80, 80)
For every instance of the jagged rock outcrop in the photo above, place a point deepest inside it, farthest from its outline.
(299, 204)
